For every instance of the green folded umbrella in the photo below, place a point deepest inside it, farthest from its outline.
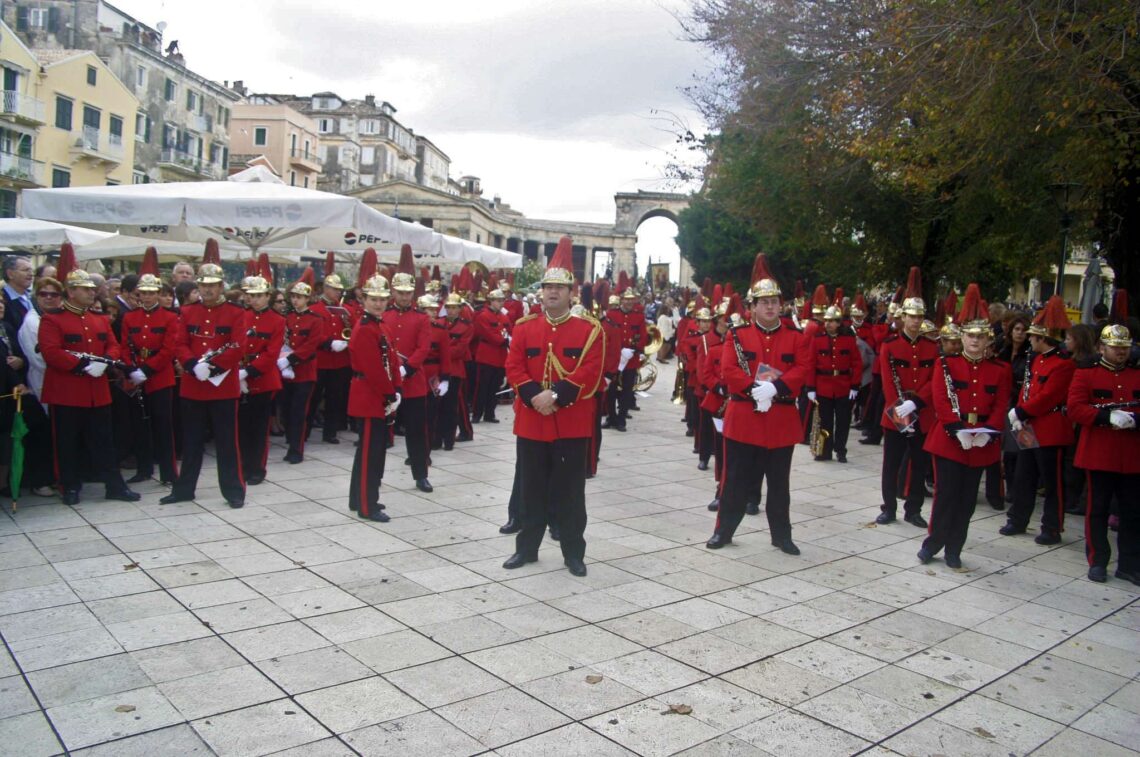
(16, 470)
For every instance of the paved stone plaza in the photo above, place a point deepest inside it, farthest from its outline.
(291, 626)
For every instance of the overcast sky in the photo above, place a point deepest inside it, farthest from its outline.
(555, 105)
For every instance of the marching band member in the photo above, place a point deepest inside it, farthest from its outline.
(493, 330)
(333, 369)
(260, 378)
(305, 331)
(454, 420)
(838, 370)
(970, 392)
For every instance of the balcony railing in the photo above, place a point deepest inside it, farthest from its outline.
(23, 107)
(92, 144)
(19, 168)
(201, 124)
(188, 163)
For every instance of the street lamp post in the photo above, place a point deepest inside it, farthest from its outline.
(1066, 195)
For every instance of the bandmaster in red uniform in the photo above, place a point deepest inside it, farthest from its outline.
(555, 367)
(765, 364)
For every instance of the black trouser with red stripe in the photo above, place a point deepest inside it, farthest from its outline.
(874, 410)
(745, 466)
(1102, 487)
(154, 435)
(91, 427)
(412, 415)
(596, 439)
(1044, 464)
(221, 415)
(896, 448)
(835, 419)
(490, 378)
(552, 486)
(368, 466)
(955, 495)
(332, 386)
(449, 413)
(295, 398)
(254, 414)
(706, 435)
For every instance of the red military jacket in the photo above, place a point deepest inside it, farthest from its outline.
(866, 332)
(782, 348)
(687, 350)
(838, 367)
(206, 328)
(264, 335)
(375, 369)
(1043, 396)
(305, 331)
(1094, 390)
(612, 355)
(515, 310)
(879, 332)
(335, 325)
(913, 363)
(460, 332)
(706, 344)
(633, 333)
(982, 388)
(69, 330)
(492, 328)
(410, 333)
(708, 372)
(565, 356)
(149, 339)
(438, 364)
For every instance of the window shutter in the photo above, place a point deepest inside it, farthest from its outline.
(53, 20)
(21, 18)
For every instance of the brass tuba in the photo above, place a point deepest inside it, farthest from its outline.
(646, 375)
(655, 340)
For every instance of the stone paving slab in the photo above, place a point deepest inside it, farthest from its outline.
(292, 627)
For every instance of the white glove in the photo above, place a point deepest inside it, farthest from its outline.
(282, 364)
(95, 370)
(718, 424)
(965, 439)
(907, 408)
(811, 396)
(627, 353)
(1015, 422)
(442, 388)
(202, 371)
(137, 377)
(981, 440)
(288, 374)
(243, 375)
(1121, 419)
(853, 394)
(339, 345)
(403, 372)
(763, 391)
(392, 406)
(764, 405)
(503, 311)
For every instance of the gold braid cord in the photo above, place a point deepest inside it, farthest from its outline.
(553, 370)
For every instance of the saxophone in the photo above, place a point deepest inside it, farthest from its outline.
(819, 435)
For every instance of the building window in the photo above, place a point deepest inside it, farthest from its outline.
(193, 101)
(115, 127)
(171, 90)
(306, 182)
(325, 125)
(140, 76)
(292, 178)
(140, 177)
(260, 136)
(369, 126)
(169, 136)
(63, 113)
(142, 127)
(92, 75)
(367, 156)
(7, 203)
(38, 18)
(223, 117)
(112, 183)
(60, 177)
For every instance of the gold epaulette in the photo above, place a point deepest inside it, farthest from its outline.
(589, 318)
(526, 318)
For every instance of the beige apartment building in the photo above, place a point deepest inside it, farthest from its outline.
(286, 139)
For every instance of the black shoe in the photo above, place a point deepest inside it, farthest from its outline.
(634, 408)
(448, 446)
(714, 505)
(407, 461)
(1075, 510)
(619, 428)
(254, 480)
(924, 555)
(690, 432)
(954, 561)
(576, 566)
(703, 465)
(786, 545)
(379, 516)
(476, 420)
(436, 445)
(1047, 538)
(172, 498)
(916, 519)
(1126, 576)
(123, 495)
(555, 534)
(490, 420)
(997, 504)
(822, 458)
(841, 457)
(424, 486)
(138, 478)
(517, 560)
(752, 508)
(1009, 529)
(236, 504)
(463, 438)
(331, 440)
(873, 442)
(717, 541)
(71, 497)
(512, 526)
(293, 457)
(1098, 573)
(884, 518)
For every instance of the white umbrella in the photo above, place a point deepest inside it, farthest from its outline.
(30, 233)
(246, 216)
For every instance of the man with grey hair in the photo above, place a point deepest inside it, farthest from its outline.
(183, 271)
(18, 273)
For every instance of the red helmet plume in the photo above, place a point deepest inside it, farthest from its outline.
(149, 262)
(212, 254)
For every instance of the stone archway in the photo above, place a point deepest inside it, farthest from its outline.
(633, 209)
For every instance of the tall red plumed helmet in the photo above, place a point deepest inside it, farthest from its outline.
(560, 269)
(762, 283)
(1052, 321)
